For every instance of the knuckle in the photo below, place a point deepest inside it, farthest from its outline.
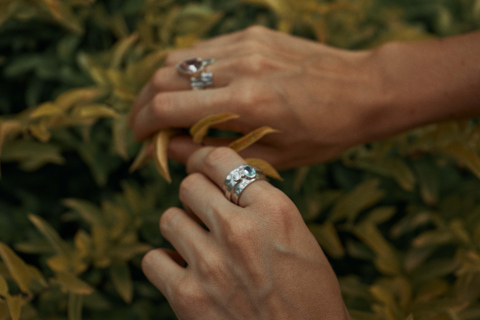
(157, 79)
(216, 156)
(187, 295)
(148, 260)
(212, 267)
(255, 30)
(255, 63)
(187, 184)
(239, 232)
(168, 220)
(172, 59)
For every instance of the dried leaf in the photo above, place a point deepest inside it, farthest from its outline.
(199, 130)
(160, 144)
(266, 168)
(141, 160)
(17, 268)
(14, 305)
(252, 137)
(121, 279)
(73, 284)
(46, 109)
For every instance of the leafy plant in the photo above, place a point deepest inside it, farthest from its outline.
(399, 219)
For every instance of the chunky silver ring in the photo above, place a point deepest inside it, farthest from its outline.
(239, 179)
(192, 68)
(203, 81)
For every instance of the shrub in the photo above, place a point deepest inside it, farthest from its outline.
(399, 219)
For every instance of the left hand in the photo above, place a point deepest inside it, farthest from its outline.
(257, 260)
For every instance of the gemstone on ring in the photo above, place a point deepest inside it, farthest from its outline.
(193, 67)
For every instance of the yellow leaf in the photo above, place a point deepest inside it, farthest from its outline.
(467, 157)
(50, 234)
(160, 144)
(17, 268)
(59, 263)
(14, 305)
(121, 279)
(251, 138)
(40, 132)
(266, 168)
(46, 109)
(120, 131)
(7, 128)
(87, 210)
(199, 130)
(75, 302)
(410, 317)
(96, 111)
(73, 284)
(121, 48)
(141, 159)
(328, 238)
(3, 287)
(72, 97)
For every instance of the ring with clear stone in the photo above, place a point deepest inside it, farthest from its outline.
(193, 68)
(239, 179)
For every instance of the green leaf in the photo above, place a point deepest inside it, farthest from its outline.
(87, 210)
(328, 238)
(465, 156)
(121, 279)
(3, 287)
(61, 247)
(75, 303)
(351, 204)
(14, 305)
(17, 268)
(73, 284)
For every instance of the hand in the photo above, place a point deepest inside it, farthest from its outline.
(257, 260)
(317, 96)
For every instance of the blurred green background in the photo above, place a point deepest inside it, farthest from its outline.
(399, 219)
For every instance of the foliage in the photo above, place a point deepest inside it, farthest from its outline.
(399, 219)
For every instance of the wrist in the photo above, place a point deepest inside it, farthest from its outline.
(424, 82)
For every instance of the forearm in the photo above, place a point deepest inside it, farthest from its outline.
(426, 82)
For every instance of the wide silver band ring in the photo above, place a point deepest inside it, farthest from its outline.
(203, 81)
(195, 69)
(239, 179)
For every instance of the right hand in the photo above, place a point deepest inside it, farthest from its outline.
(317, 96)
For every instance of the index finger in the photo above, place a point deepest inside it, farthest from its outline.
(217, 163)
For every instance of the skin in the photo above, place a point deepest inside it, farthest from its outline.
(323, 100)
(259, 260)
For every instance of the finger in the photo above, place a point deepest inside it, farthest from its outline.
(163, 268)
(178, 110)
(169, 79)
(185, 235)
(206, 200)
(181, 148)
(217, 163)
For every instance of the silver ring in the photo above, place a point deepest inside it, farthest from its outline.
(203, 81)
(192, 68)
(239, 179)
